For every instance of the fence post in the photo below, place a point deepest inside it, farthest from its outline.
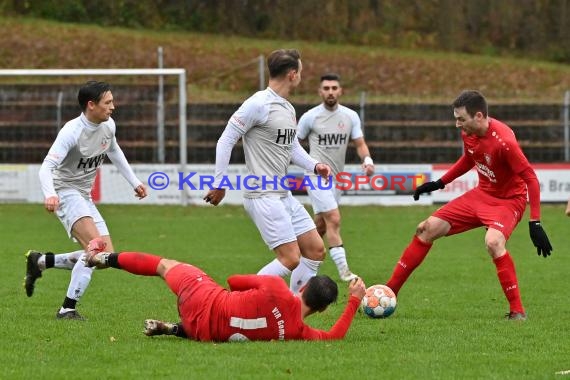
(362, 105)
(566, 126)
(261, 72)
(59, 111)
(160, 111)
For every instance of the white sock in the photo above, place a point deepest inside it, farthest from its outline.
(61, 260)
(42, 262)
(275, 268)
(338, 255)
(306, 269)
(80, 278)
(67, 260)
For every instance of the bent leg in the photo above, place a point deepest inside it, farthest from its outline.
(336, 247)
(429, 230)
(496, 242)
(313, 253)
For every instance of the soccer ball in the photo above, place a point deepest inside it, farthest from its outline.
(378, 302)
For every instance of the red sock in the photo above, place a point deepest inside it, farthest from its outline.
(508, 279)
(413, 256)
(139, 263)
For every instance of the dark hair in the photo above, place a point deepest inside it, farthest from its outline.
(281, 61)
(320, 292)
(473, 101)
(330, 76)
(91, 91)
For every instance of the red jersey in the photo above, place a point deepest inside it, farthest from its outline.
(498, 159)
(261, 307)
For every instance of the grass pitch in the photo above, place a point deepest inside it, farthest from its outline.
(448, 324)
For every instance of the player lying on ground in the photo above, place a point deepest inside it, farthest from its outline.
(256, 307)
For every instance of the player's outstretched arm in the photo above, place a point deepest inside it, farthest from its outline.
(356, 290)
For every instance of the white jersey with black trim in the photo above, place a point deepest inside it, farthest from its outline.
(328, 133)
(77, 152)
(267, 124)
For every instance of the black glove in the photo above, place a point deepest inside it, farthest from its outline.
(428, 187)
(539, 238)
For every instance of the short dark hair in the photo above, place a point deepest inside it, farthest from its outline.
(320, 292)
(473, 101)
(330, 76)
(281, 61)
(91, 91)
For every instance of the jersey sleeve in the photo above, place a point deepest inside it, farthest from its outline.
(340, 328)
(56, 154)
(304, 126)
(461, 166)
(356, 131)
(251, 113)
(301, 158)
(519, 164)
(240, 282)
(117, 157)
(533, 187)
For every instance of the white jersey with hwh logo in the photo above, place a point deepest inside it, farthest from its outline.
(267, 124)
(79, 149)
(329, 133)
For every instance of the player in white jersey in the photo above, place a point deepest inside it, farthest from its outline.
(266, 123)
(67, 176)
(329, 127)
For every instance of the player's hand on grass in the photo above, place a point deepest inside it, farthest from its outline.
(51, 203)
(215, 196)
(357, 288)
(96, 245)
(539, 238)
(428, 187)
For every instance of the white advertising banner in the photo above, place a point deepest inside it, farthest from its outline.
(14, 183)
(554, 183)
(390, 184)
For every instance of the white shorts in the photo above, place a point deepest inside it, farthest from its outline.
(72, 207)
(279, 219)
(324, 200)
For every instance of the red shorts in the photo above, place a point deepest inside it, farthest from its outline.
(476, 208)
(196, 292)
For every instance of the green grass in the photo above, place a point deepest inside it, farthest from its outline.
(448, 324)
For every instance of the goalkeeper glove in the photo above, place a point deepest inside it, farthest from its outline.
(539, 238)
(428, 187)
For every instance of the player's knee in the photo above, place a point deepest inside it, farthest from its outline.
(291, 261)
(495, 246)
(321, 227)
(165, 265)
(422, 228)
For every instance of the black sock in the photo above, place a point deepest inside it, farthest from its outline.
(113, 260)
(68, 303)
(179, 331)
(50, 260)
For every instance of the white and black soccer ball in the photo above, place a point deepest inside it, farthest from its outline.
(378, 302)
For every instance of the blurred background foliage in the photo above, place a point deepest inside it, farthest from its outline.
(521, 28)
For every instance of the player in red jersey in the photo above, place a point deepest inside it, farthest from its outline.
(256, 307)
(498, 202)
